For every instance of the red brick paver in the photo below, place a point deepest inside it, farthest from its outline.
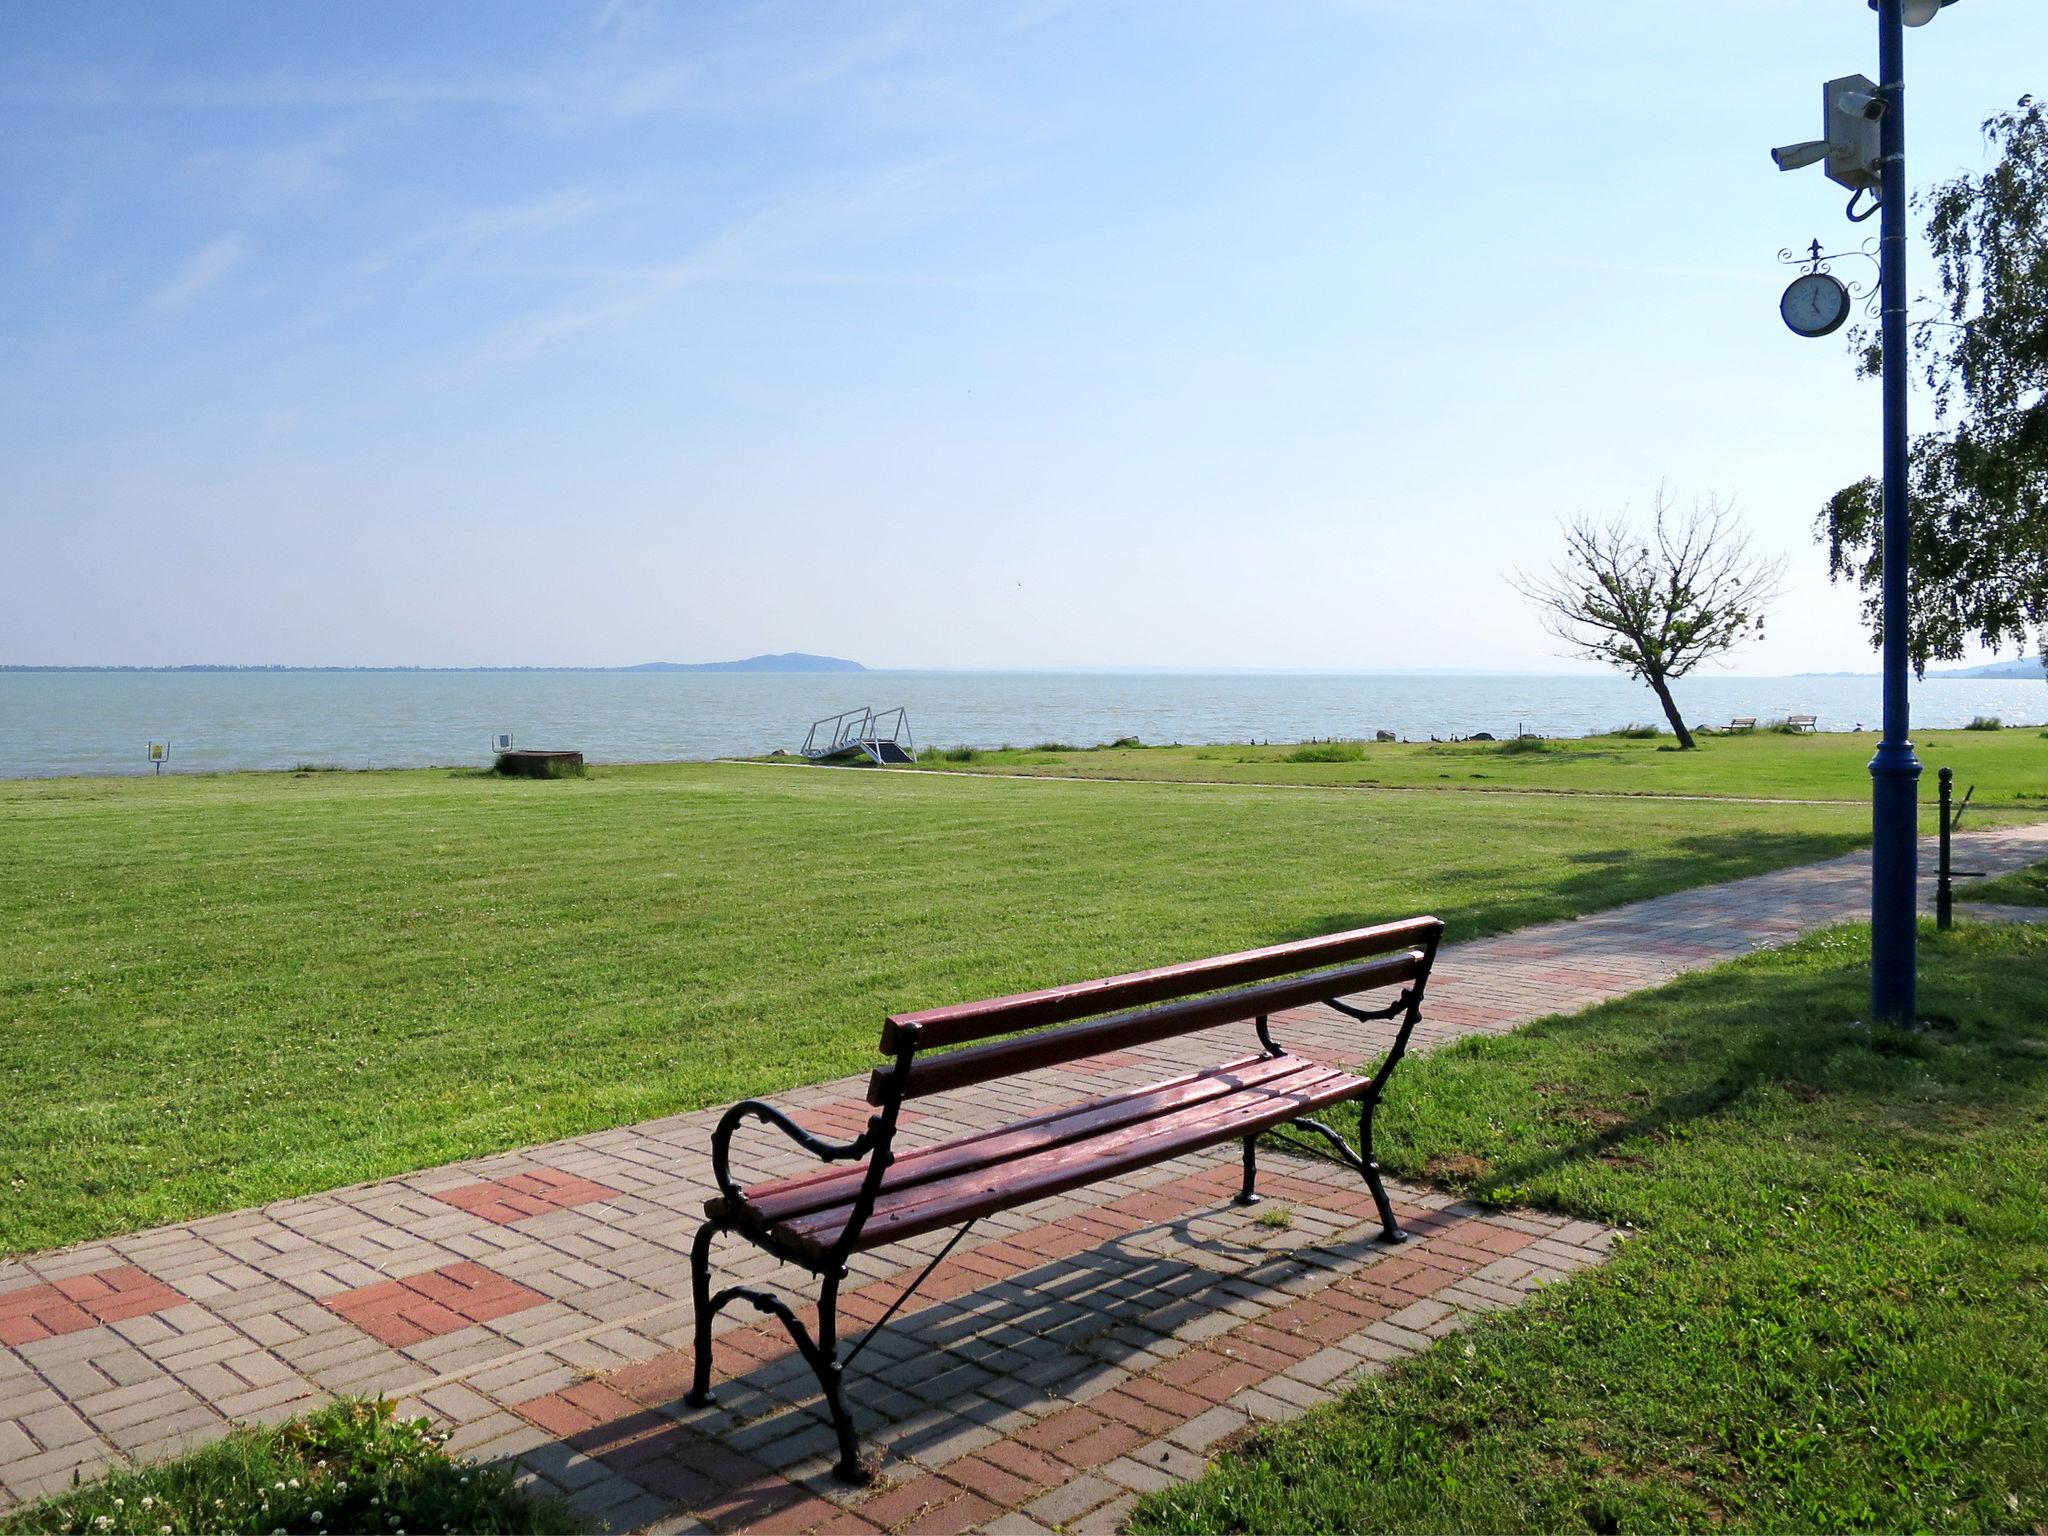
(31, 1313)
(513, 1199)
(434, 1302)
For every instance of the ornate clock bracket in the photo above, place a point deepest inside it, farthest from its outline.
(1814, 259)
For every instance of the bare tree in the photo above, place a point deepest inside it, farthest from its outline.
(1656, 603)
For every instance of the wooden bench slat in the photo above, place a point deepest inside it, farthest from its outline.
(947, 1202)
(1007, 1058)
(780, 1199)
(958, 1023)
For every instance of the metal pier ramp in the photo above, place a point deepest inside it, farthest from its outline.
(884, 738)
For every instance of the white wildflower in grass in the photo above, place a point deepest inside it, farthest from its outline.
(317, 1516)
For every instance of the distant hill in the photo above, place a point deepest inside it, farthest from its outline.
(788, 661)
(2026, 667)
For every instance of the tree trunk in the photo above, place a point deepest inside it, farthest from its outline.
(1685, 741)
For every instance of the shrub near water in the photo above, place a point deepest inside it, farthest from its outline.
(1328, 752)
(352, 1466)
(1985, 723)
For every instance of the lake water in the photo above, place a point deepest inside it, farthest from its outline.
(99, 722)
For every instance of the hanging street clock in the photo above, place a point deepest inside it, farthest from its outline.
(1815, 304)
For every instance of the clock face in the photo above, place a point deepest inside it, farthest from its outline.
(1815, 304)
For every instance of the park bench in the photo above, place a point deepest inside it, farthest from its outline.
(820, 1218)
(1802, 722)
(1742, 723)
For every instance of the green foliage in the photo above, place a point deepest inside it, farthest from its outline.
(1978, 492)
(351, 1466)
(549, 768)
(225, 990)
(1985, 723)
(1124, 743)
(1831, 1312)
(1326, 752)
(1638, 732)
(1053, 746)
(1521, 746)
(1277, 1219)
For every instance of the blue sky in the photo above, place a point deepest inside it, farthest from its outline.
(998, 334)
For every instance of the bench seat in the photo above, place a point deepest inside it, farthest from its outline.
(954, 1181)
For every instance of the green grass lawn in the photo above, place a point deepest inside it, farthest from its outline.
(220, 990)
(2022, 888)
(2009, 768)
(1834, 1312)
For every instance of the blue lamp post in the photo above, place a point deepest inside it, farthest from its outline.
(1895, 770)
(1864, 148)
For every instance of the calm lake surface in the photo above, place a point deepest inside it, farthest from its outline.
(99, 722)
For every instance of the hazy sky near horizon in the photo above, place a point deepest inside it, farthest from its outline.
(1178, 333)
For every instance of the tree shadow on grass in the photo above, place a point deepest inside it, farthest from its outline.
(1663, 1067)
(1606, 878)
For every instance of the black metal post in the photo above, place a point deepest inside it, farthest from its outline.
(1944, 888)
(1895, 770)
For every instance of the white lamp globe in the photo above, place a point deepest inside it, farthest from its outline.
(1921, 12)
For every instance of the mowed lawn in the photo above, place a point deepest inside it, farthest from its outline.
(220, 990)
(2009, 768)
(1832, 1312)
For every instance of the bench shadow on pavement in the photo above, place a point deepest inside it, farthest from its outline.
(947, 1367)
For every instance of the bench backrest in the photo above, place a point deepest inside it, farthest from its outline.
(1117, 1012)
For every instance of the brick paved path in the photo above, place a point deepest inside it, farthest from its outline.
(1069, 1355)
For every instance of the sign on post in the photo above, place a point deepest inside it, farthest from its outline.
(159, 754)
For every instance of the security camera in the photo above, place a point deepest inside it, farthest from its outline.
(1852, 149)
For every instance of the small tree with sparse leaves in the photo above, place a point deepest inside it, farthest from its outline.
(1656, 603)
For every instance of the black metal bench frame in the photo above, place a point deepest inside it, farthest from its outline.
(1409, 951)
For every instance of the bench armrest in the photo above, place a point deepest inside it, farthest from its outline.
(818, 1147)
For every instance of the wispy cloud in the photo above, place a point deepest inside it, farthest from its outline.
(754, 248)
(207, 266)
(443, 245)
(307, 167)
(627, 72)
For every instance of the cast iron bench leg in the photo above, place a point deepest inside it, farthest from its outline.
(1249, 1195)
(1390, 1229)
(821, 1354)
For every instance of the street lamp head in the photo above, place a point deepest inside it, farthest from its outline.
(1920, 12)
